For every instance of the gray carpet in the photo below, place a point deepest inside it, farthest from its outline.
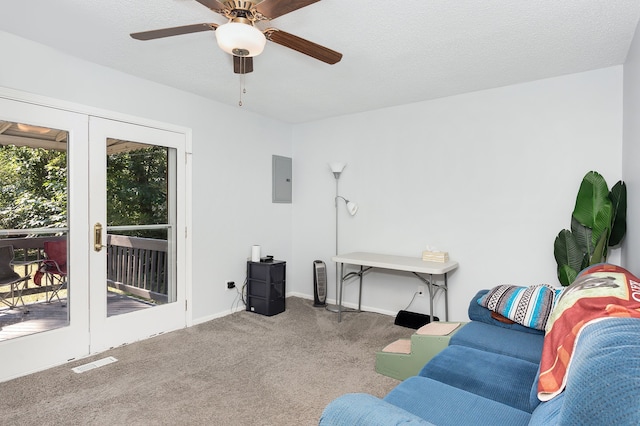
(243, 369)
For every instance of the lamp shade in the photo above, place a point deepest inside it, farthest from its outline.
(240, 39)
(337, 167)
(352, 208)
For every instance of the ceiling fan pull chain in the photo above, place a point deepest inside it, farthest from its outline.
(242, 89)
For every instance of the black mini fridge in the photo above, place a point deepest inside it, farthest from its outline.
(266, 287)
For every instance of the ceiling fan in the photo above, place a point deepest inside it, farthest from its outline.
(241, 38)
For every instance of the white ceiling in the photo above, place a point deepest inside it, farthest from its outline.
(394, 52)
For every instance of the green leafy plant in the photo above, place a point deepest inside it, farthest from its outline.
(599, 221)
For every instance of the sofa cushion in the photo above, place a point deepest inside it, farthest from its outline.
(548, 413)
(533, 394)
(364, 409)
(482, 314)
(498, 377)
(443, 405)
(479, 335)
(528, 306)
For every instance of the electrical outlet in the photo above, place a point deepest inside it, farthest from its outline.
(420, 290)
(231, 284)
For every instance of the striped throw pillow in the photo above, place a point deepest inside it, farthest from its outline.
(528, 306)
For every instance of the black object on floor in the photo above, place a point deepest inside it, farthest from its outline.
(266, 287)
(413, 319)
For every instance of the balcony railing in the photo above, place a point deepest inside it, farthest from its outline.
(134, 265)
(138, 266)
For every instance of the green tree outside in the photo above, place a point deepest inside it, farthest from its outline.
(137, 190)
(33, 192)
(34, 188)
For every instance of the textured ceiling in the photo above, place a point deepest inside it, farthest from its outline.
(394, 52)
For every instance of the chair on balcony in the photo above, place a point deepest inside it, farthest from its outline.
(8, 277)
(53, 267)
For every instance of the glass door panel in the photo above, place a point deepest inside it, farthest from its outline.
(33, 221)
(140, 268)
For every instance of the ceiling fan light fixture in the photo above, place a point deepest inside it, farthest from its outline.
(240, 39)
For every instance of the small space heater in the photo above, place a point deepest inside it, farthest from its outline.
(319, 283)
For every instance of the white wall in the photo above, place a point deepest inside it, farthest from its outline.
(232, 151)
(490, 177)
(631, 154)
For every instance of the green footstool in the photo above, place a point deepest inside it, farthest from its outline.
(406, 357)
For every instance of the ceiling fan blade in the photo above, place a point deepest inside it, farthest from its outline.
(271, 9)
(242, 64)
(303, 46)
(214, 5)
(168, 32)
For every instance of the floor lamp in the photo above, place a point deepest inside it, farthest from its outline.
(352, 208)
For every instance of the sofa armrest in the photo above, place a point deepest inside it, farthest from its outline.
(603, 377)
(364, 409)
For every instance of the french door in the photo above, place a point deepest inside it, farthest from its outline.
(117, 201)
(136, 259)
(69, 337)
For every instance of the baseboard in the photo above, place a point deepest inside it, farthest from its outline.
(347, 304)
(201, 320)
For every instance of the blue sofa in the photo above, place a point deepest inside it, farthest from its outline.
(489, 375)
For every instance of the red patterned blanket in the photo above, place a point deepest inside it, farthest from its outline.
(599, 292)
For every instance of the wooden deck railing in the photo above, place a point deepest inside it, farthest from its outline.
(134, 265)
(138, 266)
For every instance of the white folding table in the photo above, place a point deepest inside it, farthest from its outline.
(416, 266)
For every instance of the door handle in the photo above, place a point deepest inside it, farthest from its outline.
(97, 237)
